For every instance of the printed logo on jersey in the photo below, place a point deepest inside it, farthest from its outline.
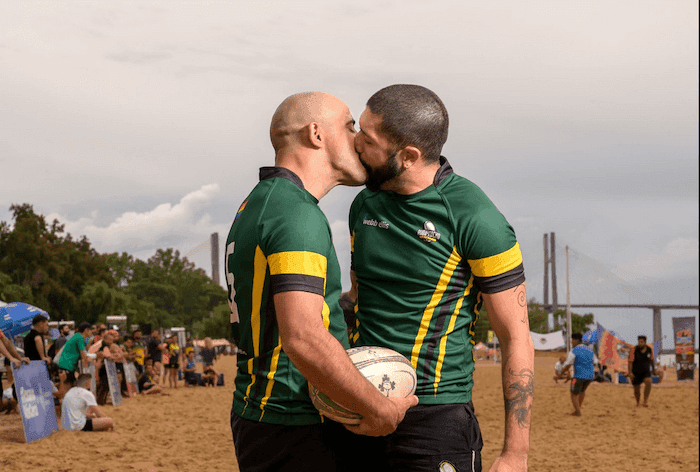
(371, 222)
(428, 234)
(240, 210)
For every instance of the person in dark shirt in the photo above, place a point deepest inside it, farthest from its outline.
(155, 348)
(641, 365)
(147, 383)
(208, 354)
(64, 330)
(209, 376)
(189, 371)
(34, 345)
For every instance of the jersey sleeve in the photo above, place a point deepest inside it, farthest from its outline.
(297, 245)
(355, 209)
(492, 251)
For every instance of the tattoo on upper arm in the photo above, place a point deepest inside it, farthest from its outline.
(517, 396)
(522, 300)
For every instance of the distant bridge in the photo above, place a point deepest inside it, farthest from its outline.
(656, 309)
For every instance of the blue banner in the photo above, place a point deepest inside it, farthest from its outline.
(35, 395)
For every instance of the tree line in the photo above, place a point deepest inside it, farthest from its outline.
(44, 266)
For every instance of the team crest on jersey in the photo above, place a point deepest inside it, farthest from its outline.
(428, 234)
(240, 210)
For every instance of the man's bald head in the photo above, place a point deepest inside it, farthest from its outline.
(298, 111)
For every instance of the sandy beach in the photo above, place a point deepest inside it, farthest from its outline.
(189, 430)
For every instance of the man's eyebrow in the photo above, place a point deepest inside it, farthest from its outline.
(351, 121)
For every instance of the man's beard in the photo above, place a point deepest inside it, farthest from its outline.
(376, 177)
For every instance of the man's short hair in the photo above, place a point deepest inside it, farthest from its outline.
(412, 115)
(577, 336)
(641, 336)
(39, 319)
(83, 379)
(83, 326)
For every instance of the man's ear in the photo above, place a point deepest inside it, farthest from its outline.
(314, 135)
(410, 155)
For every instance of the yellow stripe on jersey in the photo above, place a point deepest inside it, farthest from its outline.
(352, 241)
(355, 335)
(450, 328)
(259, 269)
(298, 262)
(250, 385)
(440, 289)
(271, 376)
(497, 264)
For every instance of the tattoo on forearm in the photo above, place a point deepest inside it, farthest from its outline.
(518, 396)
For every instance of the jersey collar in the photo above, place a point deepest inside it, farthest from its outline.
(443, 172)
(282, 173)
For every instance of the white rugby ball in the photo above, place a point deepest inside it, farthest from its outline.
(390, 372)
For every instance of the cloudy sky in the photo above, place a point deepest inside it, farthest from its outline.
(143, 124)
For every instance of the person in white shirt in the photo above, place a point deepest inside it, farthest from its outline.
(80, 411)
(558, 368)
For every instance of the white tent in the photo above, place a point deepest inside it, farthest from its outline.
(549, 341)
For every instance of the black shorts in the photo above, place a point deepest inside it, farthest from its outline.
(263, 447)
(579, 386)
(639, 377)
(172, 365)
(430, 438)
(88, 425)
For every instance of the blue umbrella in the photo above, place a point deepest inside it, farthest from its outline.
(16, 318)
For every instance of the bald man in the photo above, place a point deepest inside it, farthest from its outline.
(284, 283)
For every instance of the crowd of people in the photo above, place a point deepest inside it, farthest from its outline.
(160, 363)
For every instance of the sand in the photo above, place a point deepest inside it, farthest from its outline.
(189, 430)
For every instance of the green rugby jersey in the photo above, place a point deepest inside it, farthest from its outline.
(421, 262)
(279, 241)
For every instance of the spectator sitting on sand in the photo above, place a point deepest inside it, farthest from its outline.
(80, 411)
(147, 381)
(189, 370)
(209, 376)
(558, 368)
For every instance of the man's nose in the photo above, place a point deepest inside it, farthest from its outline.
(358, 143)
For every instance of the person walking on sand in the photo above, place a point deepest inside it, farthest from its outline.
(641, 362)
(581, 357)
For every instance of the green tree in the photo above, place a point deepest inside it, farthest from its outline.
(539, 324)
(54, 266)
(538, 321)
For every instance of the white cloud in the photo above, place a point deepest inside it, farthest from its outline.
(181, 225)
